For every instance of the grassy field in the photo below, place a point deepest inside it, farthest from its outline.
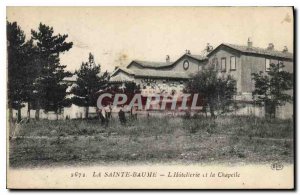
(152, 140)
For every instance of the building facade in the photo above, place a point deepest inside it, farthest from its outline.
(239, 61)
(161, 77)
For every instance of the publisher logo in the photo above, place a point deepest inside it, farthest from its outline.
(276, 166)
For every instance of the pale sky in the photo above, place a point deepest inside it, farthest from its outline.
(117, 35)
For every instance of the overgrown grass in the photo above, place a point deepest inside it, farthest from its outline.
(199, 139)
(241, 126)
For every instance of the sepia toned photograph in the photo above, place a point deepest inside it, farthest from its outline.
(150, 97)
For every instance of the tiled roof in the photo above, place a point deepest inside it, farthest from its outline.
(154, 65)
(257, 50)
(149, 64)
(152, 73)
(197, 57)
(120, 78)
(160, 73)
(129, 71)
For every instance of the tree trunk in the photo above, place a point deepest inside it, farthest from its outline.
(205, 109)
(212, 110)
(87, 112)
(10, 114)
(37, 114)
(19, 115)
(28, 111)
(37, 111)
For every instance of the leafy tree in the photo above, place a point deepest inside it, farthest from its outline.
(29, 74)
(49, 88)
(19, 68)
(226, 89)
(131, 88)
(216, 91)
(88, 84)
(270, 89)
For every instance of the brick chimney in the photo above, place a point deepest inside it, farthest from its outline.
(250, 43)
(167, 58)
(270, 46)
(285, 49)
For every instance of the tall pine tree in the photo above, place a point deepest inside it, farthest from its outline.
(19, 68)
(49, 88)
(87, 84)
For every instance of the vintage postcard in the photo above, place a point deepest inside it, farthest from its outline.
(150, 98)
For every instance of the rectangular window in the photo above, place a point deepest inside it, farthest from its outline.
(232, 63)
(223, 64)
(214, 63)
(267, 64)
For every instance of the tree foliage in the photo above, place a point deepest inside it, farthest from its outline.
(216, 91)
(271, 88)
(132, 88)
(35, 74)
(88, 83)
(49, 88)
(20, 67)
